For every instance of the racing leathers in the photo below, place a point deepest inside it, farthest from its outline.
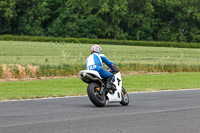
(95, 62)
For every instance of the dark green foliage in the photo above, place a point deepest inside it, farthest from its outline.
(196, 38)
(149, 20)
(8, 16)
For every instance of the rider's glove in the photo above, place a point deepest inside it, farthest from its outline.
(114, 68)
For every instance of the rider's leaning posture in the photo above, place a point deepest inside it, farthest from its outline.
(95, 62)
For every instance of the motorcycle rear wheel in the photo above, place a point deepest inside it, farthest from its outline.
(94, 95)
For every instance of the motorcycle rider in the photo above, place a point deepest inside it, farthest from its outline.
(95, 62)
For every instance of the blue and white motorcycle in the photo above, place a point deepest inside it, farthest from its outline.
(98, 94)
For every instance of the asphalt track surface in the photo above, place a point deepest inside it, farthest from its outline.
(156, 112)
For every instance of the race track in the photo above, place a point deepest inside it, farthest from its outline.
(155, 112)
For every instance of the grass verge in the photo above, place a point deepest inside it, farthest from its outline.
(74, 86)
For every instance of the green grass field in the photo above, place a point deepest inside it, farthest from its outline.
(74, 86)
(13, 52)
(52, 56)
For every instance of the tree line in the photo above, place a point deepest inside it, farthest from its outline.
(158, 20)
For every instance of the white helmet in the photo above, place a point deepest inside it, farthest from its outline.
(96, 48)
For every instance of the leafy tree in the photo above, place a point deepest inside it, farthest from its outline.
(33, 14)
(113, 12)
(163, 20)
(177, 19)
(139, 26)
(7, 16)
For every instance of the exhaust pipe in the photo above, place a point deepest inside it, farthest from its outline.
(85, 75)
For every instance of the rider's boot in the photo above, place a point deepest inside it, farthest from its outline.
(109, 84)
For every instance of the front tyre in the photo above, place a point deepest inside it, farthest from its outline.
(94, 96)
(125, 98)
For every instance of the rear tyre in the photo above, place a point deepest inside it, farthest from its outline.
(125, 98)
(94, 95)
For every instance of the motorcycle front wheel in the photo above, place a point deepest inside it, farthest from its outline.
(93, 90)
(125, 98)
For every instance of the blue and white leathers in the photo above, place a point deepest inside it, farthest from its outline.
(95, 62)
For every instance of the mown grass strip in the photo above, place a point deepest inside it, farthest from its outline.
(99, 41)
(16, 52)
(74, 86)
(165, 81)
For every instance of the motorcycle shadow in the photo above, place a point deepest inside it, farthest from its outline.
(106, 106)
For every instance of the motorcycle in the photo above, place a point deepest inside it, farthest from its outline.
(97, 92)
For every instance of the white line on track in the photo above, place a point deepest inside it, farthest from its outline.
(86, 95)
